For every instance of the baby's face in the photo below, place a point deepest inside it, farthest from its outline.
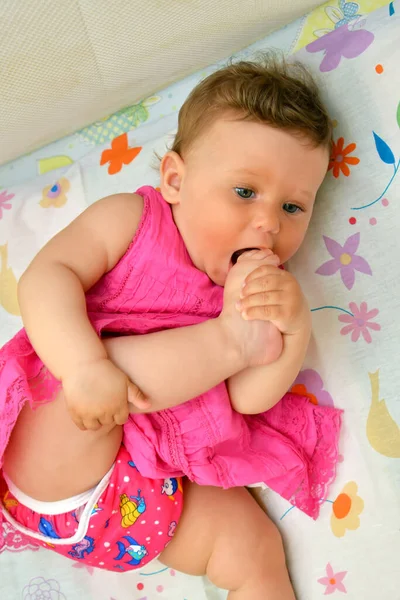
(246, 185)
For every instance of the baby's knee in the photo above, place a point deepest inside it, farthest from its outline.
(269, 544)
(254, 553)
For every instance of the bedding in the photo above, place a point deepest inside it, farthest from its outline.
(347, 268)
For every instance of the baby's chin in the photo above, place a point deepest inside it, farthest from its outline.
(217, 276)
(218, 280)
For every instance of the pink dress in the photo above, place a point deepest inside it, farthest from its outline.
(292, 448)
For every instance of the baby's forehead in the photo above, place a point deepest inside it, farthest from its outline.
(235, 128)
(233, 144)
(215, 120)
(234, 140)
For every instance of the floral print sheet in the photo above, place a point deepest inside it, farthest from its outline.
(347, 268)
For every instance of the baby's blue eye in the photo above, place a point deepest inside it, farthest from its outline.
(245, 193)
(292, 209)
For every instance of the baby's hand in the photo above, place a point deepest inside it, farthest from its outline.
(260, 341)
(271, 294)
(98, 393)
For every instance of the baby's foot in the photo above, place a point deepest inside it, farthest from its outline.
(265, 343)
(261, 341)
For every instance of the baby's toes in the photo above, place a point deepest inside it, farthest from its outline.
(267, 256)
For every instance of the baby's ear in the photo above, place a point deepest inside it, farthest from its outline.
(171, 171)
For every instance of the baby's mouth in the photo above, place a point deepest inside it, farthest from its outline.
(238, 253)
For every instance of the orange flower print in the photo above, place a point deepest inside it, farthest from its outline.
(119, 154)
(301, 389)
(346, 510)
(340, 160)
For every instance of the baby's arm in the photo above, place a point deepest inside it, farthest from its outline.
(51, 292)
(271, 298)
(52, 298)
(174, 366)
(257, 389)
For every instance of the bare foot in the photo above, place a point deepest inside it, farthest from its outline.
(260, 341)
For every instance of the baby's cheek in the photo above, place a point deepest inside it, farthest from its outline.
(213, 237)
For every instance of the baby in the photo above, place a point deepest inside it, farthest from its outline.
(209, 334)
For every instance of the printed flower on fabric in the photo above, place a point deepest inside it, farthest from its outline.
(5, 201)
(43, 589)
(344, 42)
(309, 383)
(333, 581)
(345, 260)
(340, 161)
(119, 154)
(346, 510)
(360, 322)
(55, 195)
(14, 541)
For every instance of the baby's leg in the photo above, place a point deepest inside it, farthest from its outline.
(226, 535)
(49, 458)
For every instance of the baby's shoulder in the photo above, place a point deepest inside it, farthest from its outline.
(118, 206)
(107, 228)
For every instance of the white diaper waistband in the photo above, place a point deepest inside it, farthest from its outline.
(49, 508)
(87, 499)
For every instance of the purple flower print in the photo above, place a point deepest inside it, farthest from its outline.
(342, 42)
(344, 259)
(309, 383)
(43, 589)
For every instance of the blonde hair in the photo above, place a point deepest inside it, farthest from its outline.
(271, 91)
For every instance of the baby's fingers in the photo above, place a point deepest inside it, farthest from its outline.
(78, 422)
(121, 417)
(137, 398)
(268, 312)
(269, 273)
(88, 424)
(260, 299)
(92, 424)
(77, 418)
(259, 255)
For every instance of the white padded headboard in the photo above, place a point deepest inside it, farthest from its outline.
(64, 65)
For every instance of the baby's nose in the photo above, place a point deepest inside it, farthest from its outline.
(267, 221)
